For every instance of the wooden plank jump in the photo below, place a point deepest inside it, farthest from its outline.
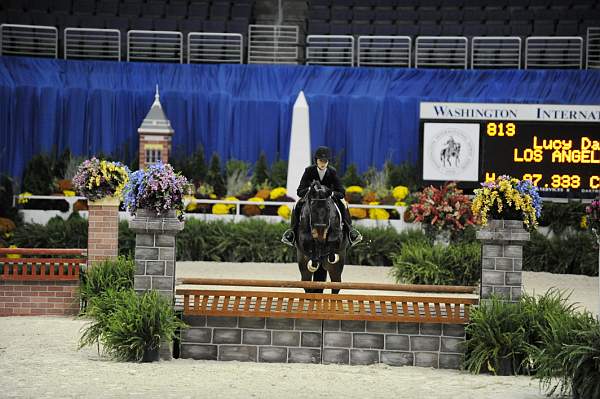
(61, 265)
(392, 308)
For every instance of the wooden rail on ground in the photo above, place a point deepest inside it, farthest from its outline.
(59, 265)
(392, 308)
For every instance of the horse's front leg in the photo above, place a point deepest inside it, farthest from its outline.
(335, 274)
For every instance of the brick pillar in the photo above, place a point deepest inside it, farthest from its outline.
(502, 258)
(155, 251)
(103, 229)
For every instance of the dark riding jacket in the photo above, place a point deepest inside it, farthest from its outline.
(330, 179)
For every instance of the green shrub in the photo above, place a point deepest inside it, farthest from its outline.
(260, 174)
(126, 240)
(567, 355)
(128, 324)
(503, 337)
(58, 233)
(111, 274)
(279, 170)
(558, 216)
(38, 178)
(570, 253)
(421, 263)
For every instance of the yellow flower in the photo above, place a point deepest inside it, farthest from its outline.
(191, 206)
(23, 198)
(400, 203)
(284, 211)
(69, 193)
(358, 213)
(277, 193)
(212, 196)
(220, 209)
(230, 206)
(257, 199)
(354, 189)
(378, 214)
(583, 223)
(13, 256)
(400, 192)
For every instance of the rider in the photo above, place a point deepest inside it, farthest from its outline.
(327, 176)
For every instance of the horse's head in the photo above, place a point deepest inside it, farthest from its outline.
(319, 204)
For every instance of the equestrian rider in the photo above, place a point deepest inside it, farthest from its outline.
(328, 177)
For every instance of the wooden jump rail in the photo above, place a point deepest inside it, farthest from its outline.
(400, 308)
(41, 268)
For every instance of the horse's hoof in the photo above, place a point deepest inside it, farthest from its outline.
(312, 268)
(335, 260)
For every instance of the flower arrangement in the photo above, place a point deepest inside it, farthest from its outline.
(157, 188)
(96, 179)
(354, 189)
(358, 213)
(444, 208)
(224, 209)
(508, 198)
(592, 213)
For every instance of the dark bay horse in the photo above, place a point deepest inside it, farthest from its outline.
(322, 242)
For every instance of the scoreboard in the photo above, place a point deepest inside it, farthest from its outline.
(557, 147)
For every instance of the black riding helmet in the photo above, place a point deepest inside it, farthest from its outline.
(323, 153)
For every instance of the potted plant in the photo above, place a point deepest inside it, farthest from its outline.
(101, 181)
(442, 212)
(509, 199)
(158, 190)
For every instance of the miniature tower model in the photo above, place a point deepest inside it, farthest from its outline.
(155, 135)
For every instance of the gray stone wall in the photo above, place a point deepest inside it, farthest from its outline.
(281, 340)
(502, 258)
(155, 252)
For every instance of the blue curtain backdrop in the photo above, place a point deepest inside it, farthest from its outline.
(95, 107)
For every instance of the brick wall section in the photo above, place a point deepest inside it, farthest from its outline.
(155, 252)
(166, 146)
(103, 232)
(30, 298)
(280, 340)
(502, 258)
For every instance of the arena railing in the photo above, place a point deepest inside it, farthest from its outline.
(147, 45)
(29, 40)
(384, 51)
(222, 48)
(441, 52)
(554, 52)
(273, 44)
(330, 50)
(84, 43)
(41, 264)
(242, 301)
(496, 52)
(238, 204)
(593, 48)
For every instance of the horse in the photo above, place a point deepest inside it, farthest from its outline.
(450, 152)
(322, 242)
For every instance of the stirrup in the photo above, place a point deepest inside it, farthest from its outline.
(358, 239)
(288, 242)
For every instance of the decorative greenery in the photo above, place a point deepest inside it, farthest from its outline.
(58, 233)
(559, 217)
(116, 274)
(157, 188)
(238, 181)
(508, 198)
(7, 210)
(279, 171)
(351, 177)
(193, 167)
(128, 324)
(261, 171)
(422, 263)
(376, 182)
(503, 335)
(38, 178)
(573, 252)
(214, 177)
(592, 212)
(444, 208)
(405, 174)
(96, 179)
